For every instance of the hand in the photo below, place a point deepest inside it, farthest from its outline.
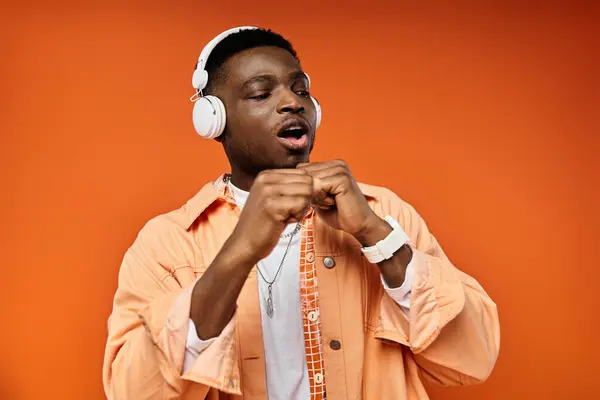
(277, 198)
(340, 203)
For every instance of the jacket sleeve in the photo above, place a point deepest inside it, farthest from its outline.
(148, 326)
(453, 330)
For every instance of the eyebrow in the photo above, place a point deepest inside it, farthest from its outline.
(267, 78)
(298, 75)
(258, 79)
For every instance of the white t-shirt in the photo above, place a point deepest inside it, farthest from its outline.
(283, 334)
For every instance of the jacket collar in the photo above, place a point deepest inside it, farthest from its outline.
(211, 192)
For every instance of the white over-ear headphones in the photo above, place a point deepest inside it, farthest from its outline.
(208, 114)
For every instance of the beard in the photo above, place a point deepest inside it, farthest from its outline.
(252, 157)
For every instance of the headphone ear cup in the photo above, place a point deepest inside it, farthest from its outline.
(199, 79)
(208, 117)
(318, 110)
(222, 115)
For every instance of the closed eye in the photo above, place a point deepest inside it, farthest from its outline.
(259, 97)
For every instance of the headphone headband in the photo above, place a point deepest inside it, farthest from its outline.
(200, 77)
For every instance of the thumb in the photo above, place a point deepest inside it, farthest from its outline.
(321, 197)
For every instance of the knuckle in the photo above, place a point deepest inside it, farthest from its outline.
(261, 177)
(300, 203)
(270, 205)
(267, 204)
(266, 191)
(342, 170)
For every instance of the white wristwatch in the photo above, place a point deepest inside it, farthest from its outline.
(385, 248)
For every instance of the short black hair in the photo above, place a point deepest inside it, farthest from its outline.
(237, 42)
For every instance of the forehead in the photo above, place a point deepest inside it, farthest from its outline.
(260, 61)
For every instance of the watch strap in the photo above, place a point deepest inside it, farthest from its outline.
(387, 247)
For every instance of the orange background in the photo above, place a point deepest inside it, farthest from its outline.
(485, 118)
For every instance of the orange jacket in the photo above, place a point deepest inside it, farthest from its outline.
(452, 337)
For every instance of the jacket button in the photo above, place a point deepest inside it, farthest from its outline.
(335, 345)
(318, 377)
(329, 262)
(310, 257)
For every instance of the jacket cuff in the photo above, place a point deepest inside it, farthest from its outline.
(167, 321)
(402, 294)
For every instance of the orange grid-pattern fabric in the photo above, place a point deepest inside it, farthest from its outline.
(309, 299)
(309, 296)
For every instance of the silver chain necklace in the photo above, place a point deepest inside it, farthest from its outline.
(270, 310)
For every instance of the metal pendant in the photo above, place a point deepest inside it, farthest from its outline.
(270, 303)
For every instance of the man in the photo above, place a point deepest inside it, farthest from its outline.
(287, 279)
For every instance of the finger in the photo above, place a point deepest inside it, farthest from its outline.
(325, 172)
(287, 171)
(286, 208)
(332, 185)
(331, 182)
(269, 175)
(297, 212)
(324, 208)
(291, 189)
(322, 198)
(312, 167)
(284, 177)
(316, 176)
(319, 166)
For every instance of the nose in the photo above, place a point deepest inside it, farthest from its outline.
(290, 102)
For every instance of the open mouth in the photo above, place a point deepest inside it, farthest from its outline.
(294, 135)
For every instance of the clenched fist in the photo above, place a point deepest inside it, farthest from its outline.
(340, 203)
(277, 198)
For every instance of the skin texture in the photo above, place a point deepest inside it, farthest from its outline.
(264, 89)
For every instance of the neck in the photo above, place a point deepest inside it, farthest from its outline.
(241, 179)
